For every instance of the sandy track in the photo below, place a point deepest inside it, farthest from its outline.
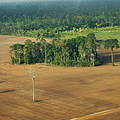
(62, 93)
(98, 114)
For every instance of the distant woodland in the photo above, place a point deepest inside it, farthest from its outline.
(49, 19)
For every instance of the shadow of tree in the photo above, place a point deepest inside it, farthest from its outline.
(2, 81)
(37, 101)
(106, 57)
(6, 91)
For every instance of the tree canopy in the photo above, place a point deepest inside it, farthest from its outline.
(111, 44)
(49, 19)
(79, 51)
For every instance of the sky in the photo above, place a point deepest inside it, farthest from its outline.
(20, 0)
(3, 1)
(23, 0)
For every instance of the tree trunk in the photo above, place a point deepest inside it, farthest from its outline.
(19, 60)
(112, 57)
(92, 57)
(45, 55)
(33, 91)
(93, 60)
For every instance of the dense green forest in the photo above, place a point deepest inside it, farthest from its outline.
(79, 51)
(50, 19)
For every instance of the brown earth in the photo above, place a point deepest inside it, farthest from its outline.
(61, 93)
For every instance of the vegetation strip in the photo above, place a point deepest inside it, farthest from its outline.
(98, 114)
(79, 51)
(59, 19)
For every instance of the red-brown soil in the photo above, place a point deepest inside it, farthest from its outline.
(61, 93)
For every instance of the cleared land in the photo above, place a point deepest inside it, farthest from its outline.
(61, 93)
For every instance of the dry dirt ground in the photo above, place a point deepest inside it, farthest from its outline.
(61, 93)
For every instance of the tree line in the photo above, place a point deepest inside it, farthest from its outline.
(51, 18)
(79, 51)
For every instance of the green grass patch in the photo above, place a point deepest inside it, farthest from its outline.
(101, 33)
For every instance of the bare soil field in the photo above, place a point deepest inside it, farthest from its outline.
(61, 93)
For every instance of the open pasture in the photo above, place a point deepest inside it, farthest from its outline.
(103, 33)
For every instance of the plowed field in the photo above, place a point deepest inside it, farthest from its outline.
(61, 93)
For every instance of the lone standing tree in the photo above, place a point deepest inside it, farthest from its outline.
(92, 46)
(111, 44)
(44, 43)
(33, 74)
(16, 53)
